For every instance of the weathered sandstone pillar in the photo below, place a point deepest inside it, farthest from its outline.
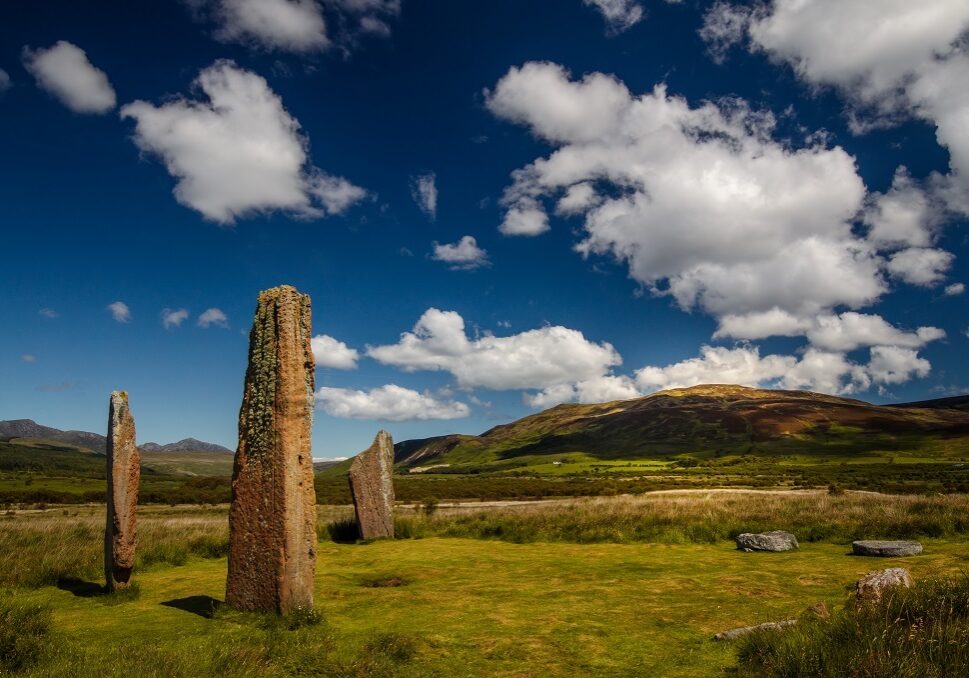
(123, 474)
(272, 521)
(372, 487)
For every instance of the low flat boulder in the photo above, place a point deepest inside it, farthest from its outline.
(744, 630)
(777, 540)
(874, 584)
(886, 549)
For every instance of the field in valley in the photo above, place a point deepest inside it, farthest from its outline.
(607, 586)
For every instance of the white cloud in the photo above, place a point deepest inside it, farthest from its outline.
(717, 365)
(4, 81)
(213, 316)
(171, 317)
(387, 403)
(890, 59)
(894, 365)
(119, 311)
(424, 191)
(724, 25)
(955, 289)
(849, 331)
(291, 25)
(236, 151)
(816, 370)
(920, 265)
(598, 390)
(905, 216)
(65, 71)
(28, 358)
(300, 26)
(620, 15)
(536, 359)
(330, 352)
(464, 255)
(700, 202)
(49, 313)
(845, 332)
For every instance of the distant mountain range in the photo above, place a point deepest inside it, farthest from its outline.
(27, 428)
(705, 421)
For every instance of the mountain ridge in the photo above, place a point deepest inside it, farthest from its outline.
(28, 428)
(706, 420)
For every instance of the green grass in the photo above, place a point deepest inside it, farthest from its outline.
(467, 607)
(921, 632)
(626, 586)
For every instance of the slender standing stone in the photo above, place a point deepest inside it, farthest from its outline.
(272, 521)
(372, 487)
(123, 473)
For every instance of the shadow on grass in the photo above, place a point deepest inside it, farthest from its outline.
(203, 606)
(81, 588)
(343, 531)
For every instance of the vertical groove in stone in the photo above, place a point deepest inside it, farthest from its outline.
(372, 487)
(123, 475)
(272, 521)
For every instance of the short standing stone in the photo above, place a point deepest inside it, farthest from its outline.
(776, 540)
(874, 584)
(886, 549)
(123, 475)
(272, 520)
(372, 487)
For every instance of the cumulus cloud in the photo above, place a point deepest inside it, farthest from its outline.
(172, 317)
(923, 266)
(816, 370)
(955, 289)
(49, 313)
(598, 390)
(65, 71)
(299, 26)
(235, 150)
(535, 359)
(4, 81)
(119, 311)
(290, 25)
(845, 332)
(330, 352)
(620, 15)
(464, 255)
(387, 403)
(213, 316)
(890, 59)
(28, 358)
(700, 202)
(424, 191)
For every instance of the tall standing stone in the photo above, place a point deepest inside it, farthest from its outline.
(123, 474)
(272, 521)
(372, 487)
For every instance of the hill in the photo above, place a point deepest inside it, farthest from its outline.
(28, 428)
(699, 423)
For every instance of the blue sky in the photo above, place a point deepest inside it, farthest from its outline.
(627, 196)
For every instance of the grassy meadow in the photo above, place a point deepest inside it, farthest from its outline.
(601, 586)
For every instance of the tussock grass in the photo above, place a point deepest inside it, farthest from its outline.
(921, 632)
(701, 518)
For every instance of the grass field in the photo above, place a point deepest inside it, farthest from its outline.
(632, 601)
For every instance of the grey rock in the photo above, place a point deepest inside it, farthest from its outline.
(744, 630)
(886, 549)
(776, 540)
(874, 584)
